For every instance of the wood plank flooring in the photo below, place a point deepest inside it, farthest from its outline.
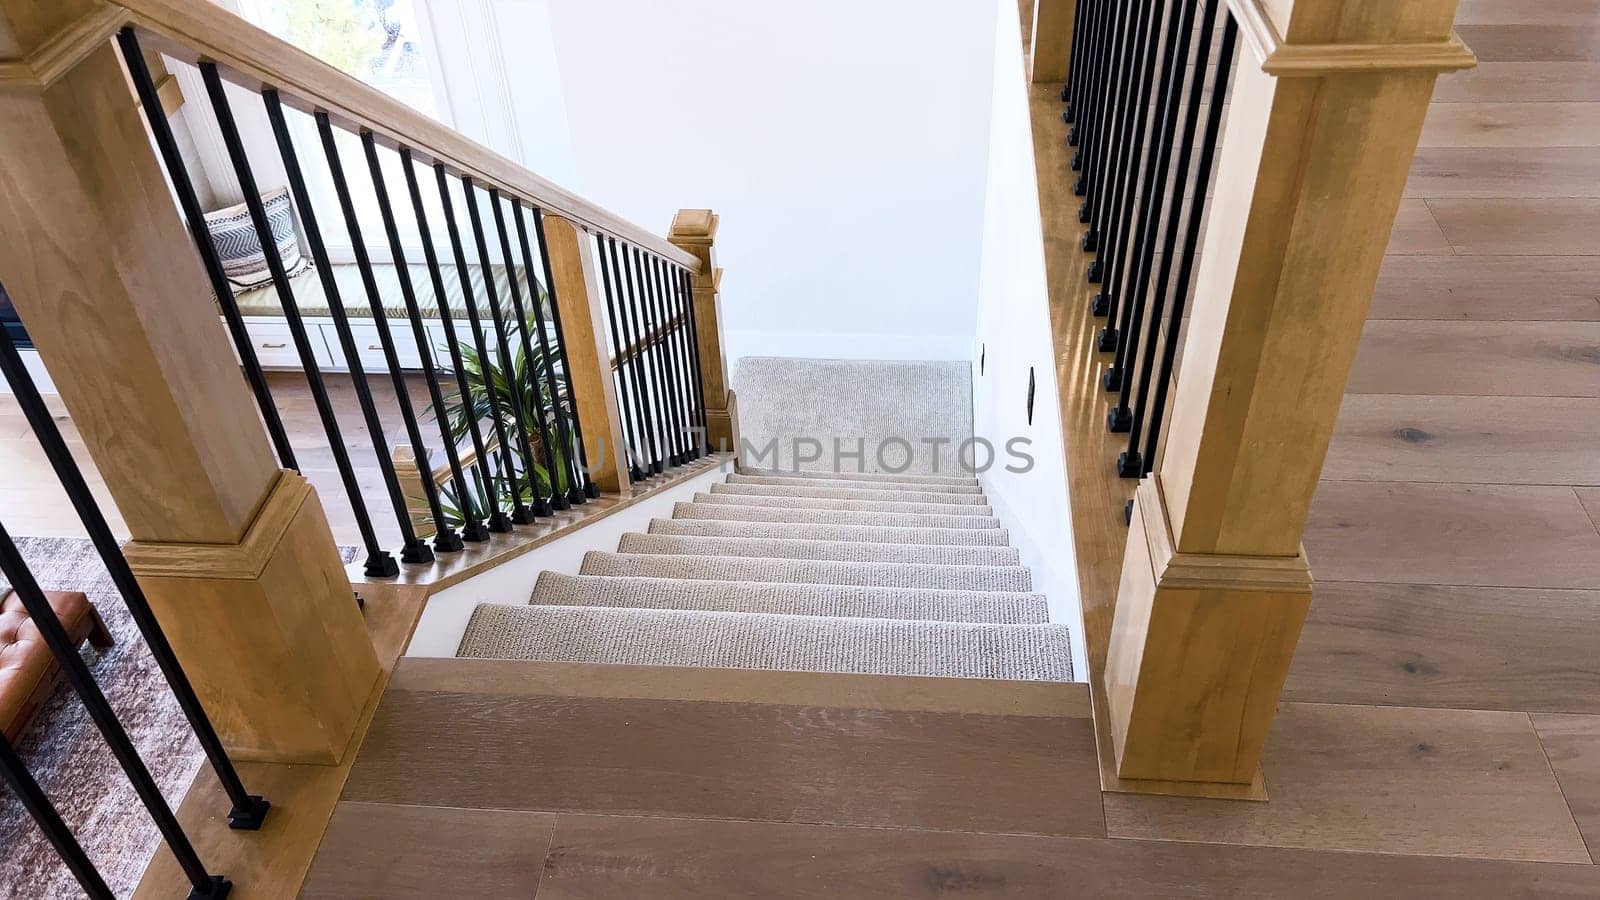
(1440, 734)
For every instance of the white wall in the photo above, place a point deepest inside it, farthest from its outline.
(841, 141)
(1013, 332)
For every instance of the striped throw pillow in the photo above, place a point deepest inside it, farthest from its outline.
(239, 247)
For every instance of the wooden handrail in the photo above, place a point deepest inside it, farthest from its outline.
(656, 336)
(197, 30)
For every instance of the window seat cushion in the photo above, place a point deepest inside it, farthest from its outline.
(313, 301)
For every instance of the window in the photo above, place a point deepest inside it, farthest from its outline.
(382, 42)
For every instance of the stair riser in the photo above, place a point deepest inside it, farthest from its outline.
(961, 537)
(840, 551)
(903, 575)
(840, 485)
(795, 643)
(727, 512)
(864, 477)
(933, 509)
(792, 599)
(768, 490)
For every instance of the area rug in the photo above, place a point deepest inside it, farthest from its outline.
(67, 756)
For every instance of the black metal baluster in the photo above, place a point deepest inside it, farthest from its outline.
(1134, 140)
(559, 460)
(669, 358)
(379, 563)
(647, 351)
(413, 551)
(472, 527)
(1087, 99)
(1109, 302)
(445, 539)
(44, 814)
(687, 288)
(1079, 32)
(195, 217)
(1120, 376)
(248, 811)
(545, 505)
(521, 514)
(629, 359)
(76, 671)
(1120, 155)
(583, 487)
(1110, 162)
(1154, 297)
(1191, 241)
(680, 343)
(629, 420)
(658, 452)
(498, 522)
(1099, 147)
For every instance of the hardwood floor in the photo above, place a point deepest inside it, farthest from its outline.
(1440, 733)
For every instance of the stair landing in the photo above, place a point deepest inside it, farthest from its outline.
(479, 775)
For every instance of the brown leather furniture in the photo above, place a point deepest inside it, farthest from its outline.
(28, 672)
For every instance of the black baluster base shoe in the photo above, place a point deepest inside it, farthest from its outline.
(1066, 95)
(1107, 342)
(1130, 465)
(1094, 272)
(382, 565)
(657, 468)
(416, 553)
(559, 502)
(522, 515)
(250, 817)
(1066, 117)
(1100, 306)
(1077, 161)
(591, 490)
(1085, 214)
(543, 509)
(1113, 379)
(1119, 420)
(1072, 138)
(474, 532)
(500, 523)
(1080, 187)
(1091, 242)
(576, 496)
(447, 541)
(216, 889)
(1127, 513)
(637, 474)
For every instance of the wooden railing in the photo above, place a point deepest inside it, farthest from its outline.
(1191, 637)
(231, 546)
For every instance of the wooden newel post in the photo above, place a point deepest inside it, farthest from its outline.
(695, 230)
(576, 273)
(235, 554)
(1051, 57)
(1328, 108)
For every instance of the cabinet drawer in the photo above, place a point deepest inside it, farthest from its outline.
(274, 344)
(368, 348)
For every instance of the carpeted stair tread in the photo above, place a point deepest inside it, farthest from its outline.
(827, 493)
(848, 601)
(959, 537)
(939, 509)
(670, 637)
(719, 568)
(841, 551)
(832, 484)
(729, 512)
(876, 477)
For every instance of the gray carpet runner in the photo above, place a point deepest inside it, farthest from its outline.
(765, 574)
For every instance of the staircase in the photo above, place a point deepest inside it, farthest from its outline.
(803, 570)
